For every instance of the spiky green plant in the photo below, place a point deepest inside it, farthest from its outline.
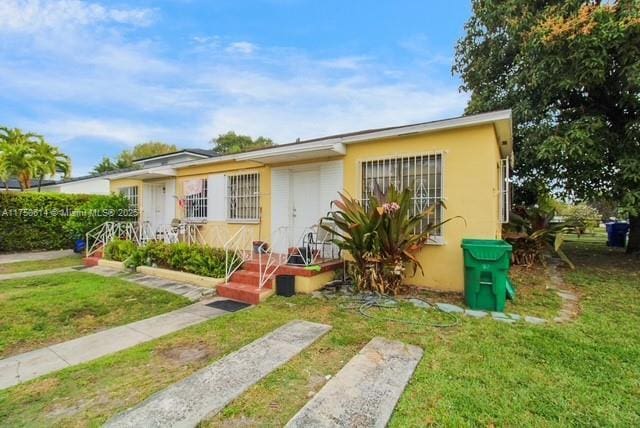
(383, 237)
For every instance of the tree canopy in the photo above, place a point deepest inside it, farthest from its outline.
(570, 70)
(27, 156)
(126, 157)
(234, 143)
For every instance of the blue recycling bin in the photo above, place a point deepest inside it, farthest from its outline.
(617, 234)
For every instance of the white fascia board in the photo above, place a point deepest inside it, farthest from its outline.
(329, 144)
(169, 155)
(169, 172)
(459, 122)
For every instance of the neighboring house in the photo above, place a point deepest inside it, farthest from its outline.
(14, 186)
(89, 185)
(278, 193)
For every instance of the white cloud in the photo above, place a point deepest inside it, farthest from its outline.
(89, 82)
(245, 48)
(31, 16)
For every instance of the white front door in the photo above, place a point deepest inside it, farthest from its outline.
(305, 202)
(157, 209)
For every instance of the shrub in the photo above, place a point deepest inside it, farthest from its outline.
(197, 259)
(533, 235)
(381, 237)
(36, 221)
(119, 250)
(97, 210)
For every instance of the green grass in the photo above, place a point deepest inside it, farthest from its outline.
(30, 265)
(480, 373)
(42, 310)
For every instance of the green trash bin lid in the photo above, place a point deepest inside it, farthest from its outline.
(486, 249)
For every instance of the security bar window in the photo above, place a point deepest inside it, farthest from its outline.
(422, 174)
(195, 200)
(243, 197)
(505, 197)
(131, 194)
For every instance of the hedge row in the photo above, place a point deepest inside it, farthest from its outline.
(32, 221)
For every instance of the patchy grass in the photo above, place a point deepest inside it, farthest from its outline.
(535, 295)
(31, 265)
(42, 310)
(480, 373)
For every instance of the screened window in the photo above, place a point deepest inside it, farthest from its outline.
(195, 200)
(505, 197)
(131, 193)
(243, 197)
(422, 174)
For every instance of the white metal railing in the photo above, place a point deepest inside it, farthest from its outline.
(268, 260)
(168, 233)
(238, 249)
(219, 235)
(101, 235)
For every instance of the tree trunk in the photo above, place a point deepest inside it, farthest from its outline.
(633, 245)
(39, 183)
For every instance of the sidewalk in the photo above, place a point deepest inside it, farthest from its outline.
(23, 367)
(38, 272)
(39, 255)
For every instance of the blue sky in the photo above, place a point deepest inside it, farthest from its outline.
(97, 77)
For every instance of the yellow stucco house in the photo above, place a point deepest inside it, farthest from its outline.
(285, 189)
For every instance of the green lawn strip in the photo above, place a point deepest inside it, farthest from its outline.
(479, 373)
(47, 309)
(31, 265)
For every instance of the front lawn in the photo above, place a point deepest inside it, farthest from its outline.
(479, 373)
(47, 309)
(30, 265)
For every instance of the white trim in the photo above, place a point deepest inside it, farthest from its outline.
(168, 155)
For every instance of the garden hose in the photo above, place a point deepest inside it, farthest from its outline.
(364, 303)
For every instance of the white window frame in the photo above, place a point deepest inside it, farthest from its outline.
(131, 193)
(196, 206)
(504, 190)
(387, 174)
(243, 206)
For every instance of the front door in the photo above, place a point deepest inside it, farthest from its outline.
(157, 205)
(305, 206)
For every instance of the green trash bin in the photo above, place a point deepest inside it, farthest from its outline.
(486, 269)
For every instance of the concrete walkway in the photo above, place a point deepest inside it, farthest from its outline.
(39, 255)
(38, 272)
(366, 390)
(23, 367)
(189, 291)
(209, 390)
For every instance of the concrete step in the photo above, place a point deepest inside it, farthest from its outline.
(243, 292)
(209, 390)
(366, 390)
(246, 277)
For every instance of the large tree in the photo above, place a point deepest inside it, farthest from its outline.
(570, 70)
(126, 157)
(234, 143)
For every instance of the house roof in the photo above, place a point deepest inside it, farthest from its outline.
(334, 144)
(15, 184)
(203, 153)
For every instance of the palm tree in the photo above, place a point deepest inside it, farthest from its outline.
(27, 155)
(49, 160)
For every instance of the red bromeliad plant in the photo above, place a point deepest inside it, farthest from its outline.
(383, 237)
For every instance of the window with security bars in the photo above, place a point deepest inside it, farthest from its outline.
(422, 174)
(195, 205)
(505, 197)
(243, 197)
(131, 194)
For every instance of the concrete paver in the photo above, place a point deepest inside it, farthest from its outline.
(209, 390)
(364, 393)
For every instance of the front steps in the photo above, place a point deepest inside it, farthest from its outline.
(243, 284)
